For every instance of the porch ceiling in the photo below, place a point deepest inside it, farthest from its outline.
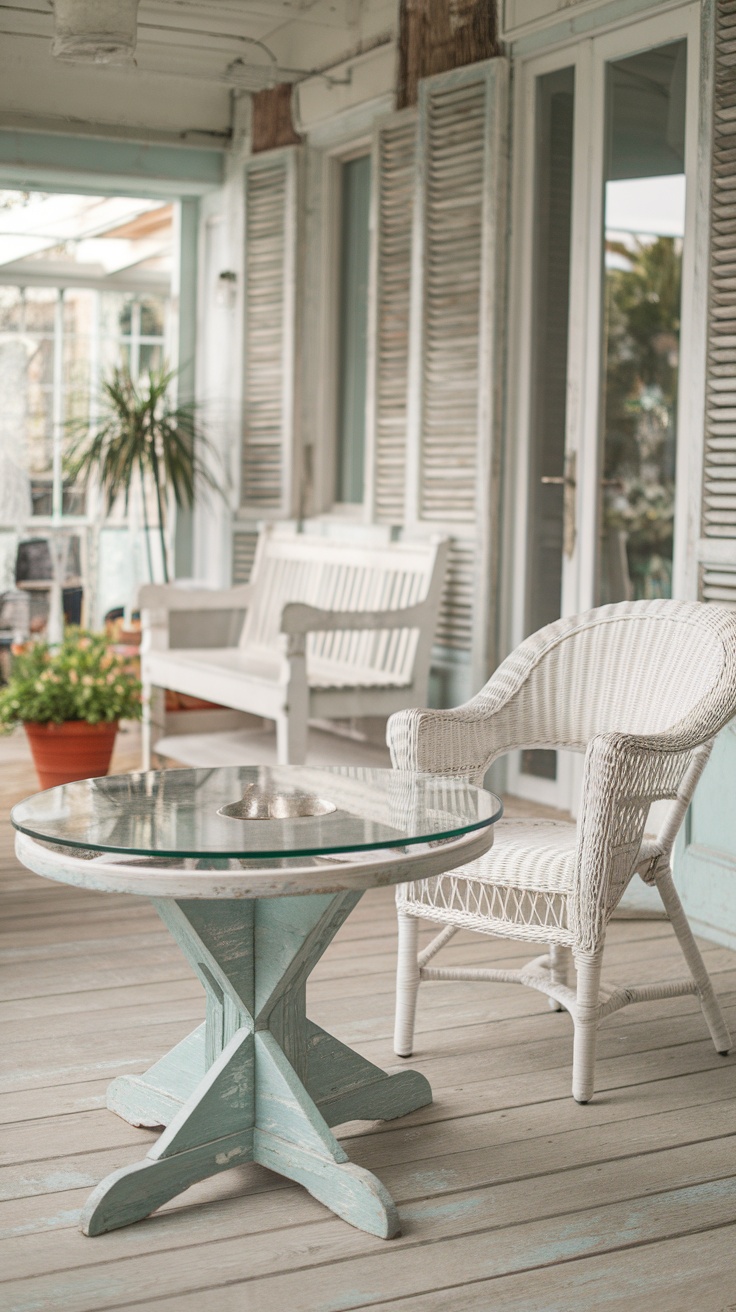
(186, 62)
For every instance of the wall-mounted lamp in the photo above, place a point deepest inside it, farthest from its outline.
(226, 292)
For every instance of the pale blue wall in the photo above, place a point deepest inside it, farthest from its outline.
(45, 161)
(705, 860)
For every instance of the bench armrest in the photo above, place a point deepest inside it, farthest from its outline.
(159, 601)
(297, 617)
(164, 597)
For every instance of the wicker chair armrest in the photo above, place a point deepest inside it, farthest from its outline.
(623, 775)
(455, 741)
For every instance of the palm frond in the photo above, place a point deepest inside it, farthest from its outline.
(141, 432)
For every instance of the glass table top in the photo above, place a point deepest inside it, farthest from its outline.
(255, 811)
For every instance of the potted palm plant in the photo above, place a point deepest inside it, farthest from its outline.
(142, 436)
(69, 700)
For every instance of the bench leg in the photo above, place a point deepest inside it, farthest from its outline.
(291, 740)
(153, 722)
(146, 694)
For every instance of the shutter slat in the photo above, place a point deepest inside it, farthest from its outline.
(244, 550)
(719, 473)
(718, 584)
(395, 154)
(455, 622)
(269, 232)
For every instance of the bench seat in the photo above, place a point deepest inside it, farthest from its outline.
(232, 663)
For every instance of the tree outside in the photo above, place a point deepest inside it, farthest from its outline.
(642, 359)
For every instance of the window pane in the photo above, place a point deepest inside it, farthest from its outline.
(125, 311)
(11, 309)
(356, 186)
(111, 311)
(80, 325)
(39, 401)
(644, 229)
(150, 357)
(152, 317)
(40, 309)
(79, 311)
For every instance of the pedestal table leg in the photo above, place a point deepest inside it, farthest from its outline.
(258, 1081)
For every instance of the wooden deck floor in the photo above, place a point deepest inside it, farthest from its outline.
(513, 1198)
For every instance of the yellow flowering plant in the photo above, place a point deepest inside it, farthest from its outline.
(79, 680)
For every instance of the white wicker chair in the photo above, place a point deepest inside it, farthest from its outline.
(642, 688)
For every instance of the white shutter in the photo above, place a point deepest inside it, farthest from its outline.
(717, 548)
(244, 553)
(456, 360)
(458, 607)
(393, 165)
(271, 236)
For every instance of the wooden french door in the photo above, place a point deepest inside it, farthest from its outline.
(603, 278)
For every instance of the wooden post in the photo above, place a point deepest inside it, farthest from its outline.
(438, 35)
(272, 124)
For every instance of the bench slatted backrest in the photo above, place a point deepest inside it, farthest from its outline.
(334, 576)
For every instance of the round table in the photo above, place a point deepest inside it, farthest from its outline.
(253, 871)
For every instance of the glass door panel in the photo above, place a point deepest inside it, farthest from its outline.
(553, 157)
(599, 237)
(644, 225)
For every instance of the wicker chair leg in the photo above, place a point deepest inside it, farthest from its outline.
(588, 966)
(559, 968)
(407, 985)
(709, 1002)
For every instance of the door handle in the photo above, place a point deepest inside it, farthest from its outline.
(568, 483)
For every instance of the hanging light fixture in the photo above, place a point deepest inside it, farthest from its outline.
(95, 31)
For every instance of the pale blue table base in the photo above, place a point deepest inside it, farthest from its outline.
(257, 1081)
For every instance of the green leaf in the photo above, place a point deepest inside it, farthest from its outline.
(141, 431)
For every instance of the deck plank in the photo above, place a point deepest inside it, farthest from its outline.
(304, 1266)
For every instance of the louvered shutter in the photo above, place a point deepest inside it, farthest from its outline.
(717, 548)
(244, 553)
(271, 243)
(393, 165)
(456, 361)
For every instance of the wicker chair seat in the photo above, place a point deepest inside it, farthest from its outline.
(519, 889)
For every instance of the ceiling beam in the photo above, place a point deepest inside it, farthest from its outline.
(39, 161)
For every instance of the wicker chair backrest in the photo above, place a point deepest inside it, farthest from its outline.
(661, 671)
(643, 668)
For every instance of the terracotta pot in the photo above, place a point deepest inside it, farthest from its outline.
(73, 750)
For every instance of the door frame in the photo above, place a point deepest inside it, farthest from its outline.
(578, 56)
(584, 394)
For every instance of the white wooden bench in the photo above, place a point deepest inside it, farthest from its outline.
(332, 629)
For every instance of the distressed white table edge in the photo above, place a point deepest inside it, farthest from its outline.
(361, 871)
